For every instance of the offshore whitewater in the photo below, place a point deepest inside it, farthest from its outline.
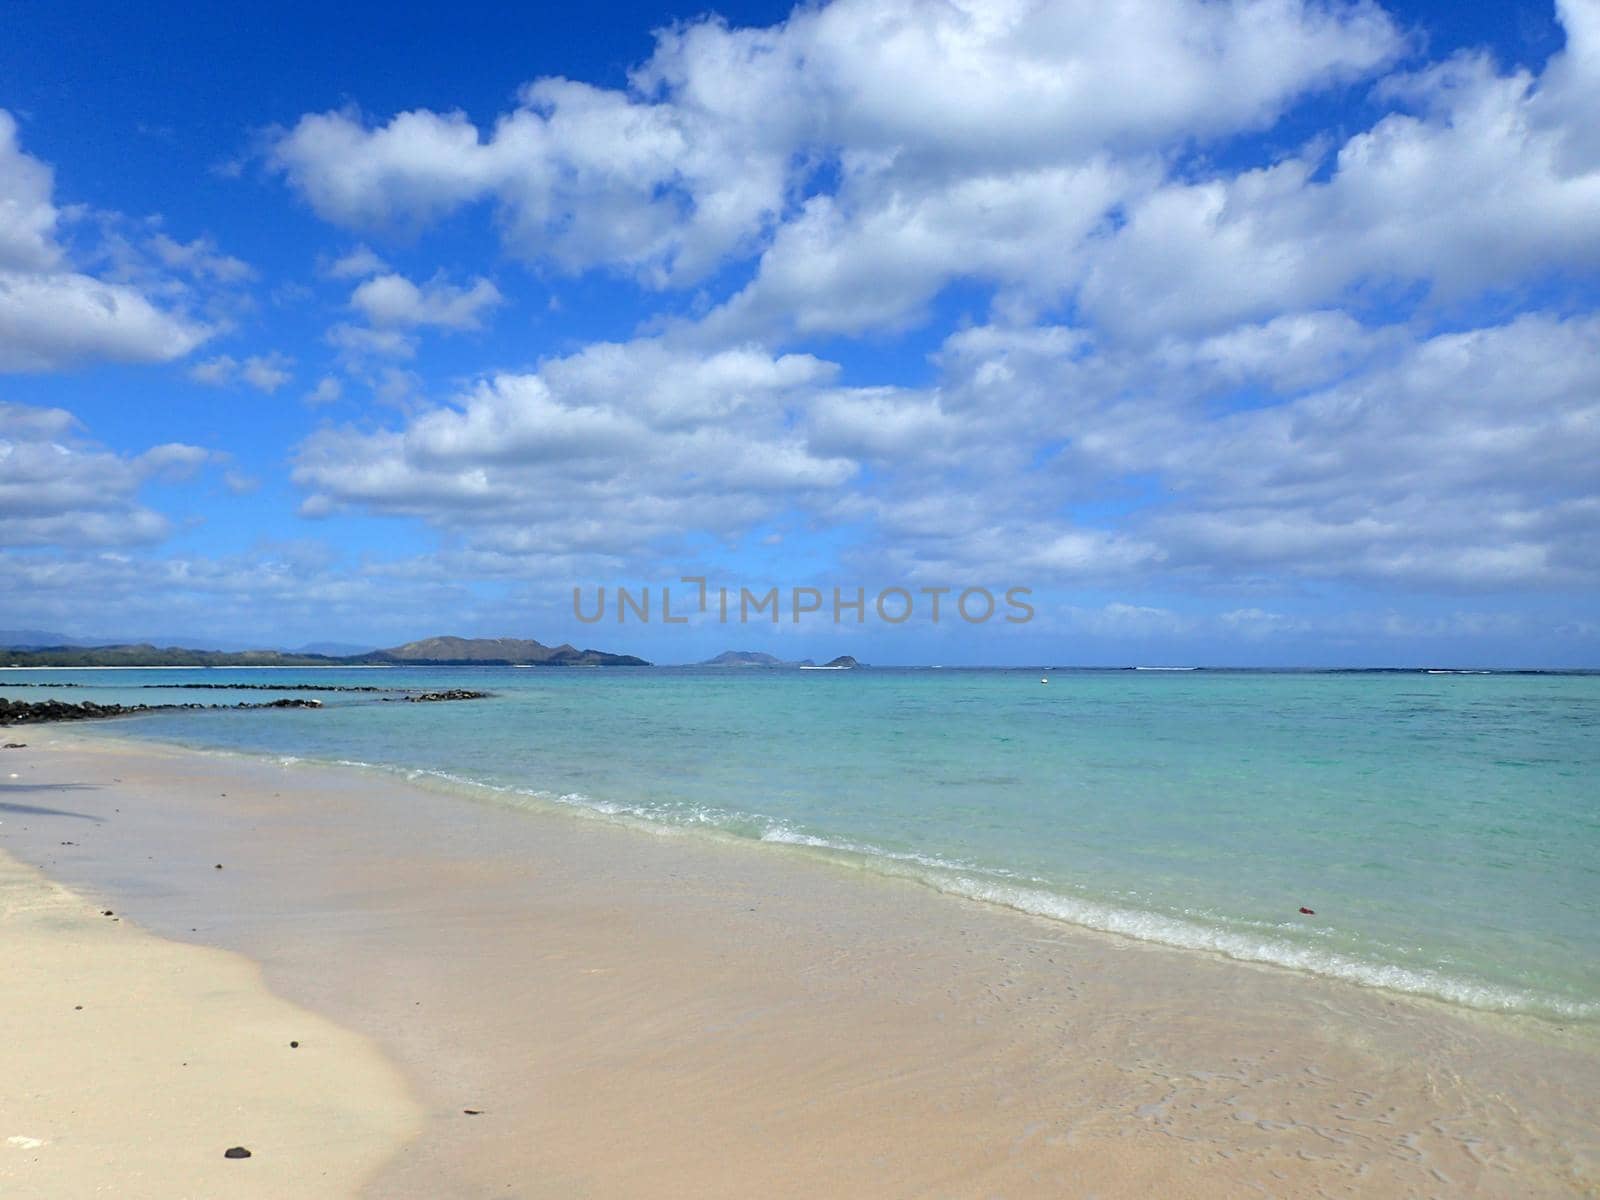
(1444, 829)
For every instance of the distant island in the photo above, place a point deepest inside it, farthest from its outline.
(492, 652)
(748, 658)
(430, 652)
(755, 658)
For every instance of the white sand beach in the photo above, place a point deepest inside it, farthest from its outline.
(629, 1014)
(130, 1065)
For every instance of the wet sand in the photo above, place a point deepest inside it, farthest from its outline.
(639, 1014)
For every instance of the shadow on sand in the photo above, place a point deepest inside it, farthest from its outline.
(34, 810)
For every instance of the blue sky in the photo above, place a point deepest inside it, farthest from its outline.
(1256, 333)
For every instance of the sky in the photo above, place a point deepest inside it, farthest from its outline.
(1237, 333)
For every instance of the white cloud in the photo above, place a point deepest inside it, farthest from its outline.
(1244, 379)
(57, 488)
(1463, 460)
(875, 257)
(272, 595)
(240, 484)
(391, 301)
(264, 372)
(27, 215)
(201, 258)
(267, 373)
(357, 264)
(215, 372)
(52, 316)
(328, 391)
(1460, 460)
(1476, 188)
(1123, 620)
(721, 128)
(61, 319)
(356, 342)
(871, 152)
(606, 452)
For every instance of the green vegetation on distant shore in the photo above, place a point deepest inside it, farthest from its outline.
(431, 652)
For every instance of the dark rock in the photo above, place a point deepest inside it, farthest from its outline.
(236, 1152)
(16, 746)
(1308, 912)
(294, 1045)
(452, 694)
(22, 712)
(473, 1112)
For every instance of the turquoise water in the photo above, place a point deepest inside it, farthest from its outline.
(1444, 828)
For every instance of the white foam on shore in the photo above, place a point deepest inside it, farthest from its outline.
(1187, 935)
(988, 885)
(1006, 889)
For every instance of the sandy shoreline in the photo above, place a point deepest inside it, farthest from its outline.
(640, 1015)
(129, 1064)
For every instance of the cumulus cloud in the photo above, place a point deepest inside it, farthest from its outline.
(1461, 460)
(1210, 360)
(201, 258)
(267, 373)
(390, 301)
(604, 453)
(357, 343)
(1476, 187)
(58, 488)
(27, 216)
(867, 153)
(357, 264)
(329, 390)
(1457, 460)
(52, 316)
(263, 372)
(721, 129)
(269, 595)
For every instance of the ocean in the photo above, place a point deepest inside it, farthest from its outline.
(1443, 829)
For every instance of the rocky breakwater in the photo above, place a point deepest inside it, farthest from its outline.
(436, 697)
(23, 712)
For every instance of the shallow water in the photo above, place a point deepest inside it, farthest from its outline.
(1445, 829)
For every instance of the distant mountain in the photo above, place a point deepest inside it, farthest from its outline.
(454, 651)
(748, 658)
(28, 639)
(754, 658)
(332, 649)
(146, 655)
(39, 639)
(431, 652)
